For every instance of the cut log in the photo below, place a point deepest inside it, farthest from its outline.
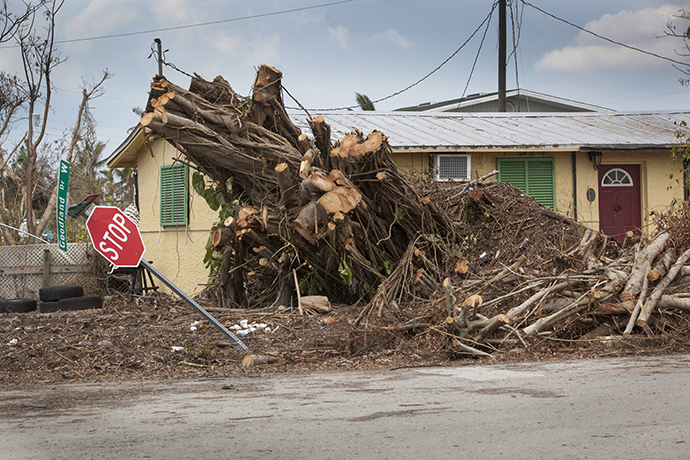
(662, 266)
(493, 324)
(322, 136)
(448, 288)
(321, 182)
(288, 191)
(255, 360)
(671, 301)
(305, 164)
(310, 218)
(221, 236)
(461, 267)
(653, 298)
(642, 265)
(575, 307)
(351, 145)
(318, 303)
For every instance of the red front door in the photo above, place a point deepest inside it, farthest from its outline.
(619, 200)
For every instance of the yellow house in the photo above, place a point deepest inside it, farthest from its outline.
(174, 222)
(608, 171)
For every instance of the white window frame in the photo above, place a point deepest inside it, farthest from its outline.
(439, 177)
(617, 184)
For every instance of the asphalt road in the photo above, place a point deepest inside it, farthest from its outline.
(637, 408)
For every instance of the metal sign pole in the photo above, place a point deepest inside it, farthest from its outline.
(143, 262)
(237, 342)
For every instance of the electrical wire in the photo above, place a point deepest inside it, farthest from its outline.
(201, 24)
(649, 53)
(487, 18)
(476, 58)
(516, 43)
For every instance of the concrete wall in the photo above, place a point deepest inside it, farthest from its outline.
(657, 190)
(177, 251)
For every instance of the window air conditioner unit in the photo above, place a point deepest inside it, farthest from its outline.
(450, 167)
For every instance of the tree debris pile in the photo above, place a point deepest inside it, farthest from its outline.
(472, 269)
(334, 217)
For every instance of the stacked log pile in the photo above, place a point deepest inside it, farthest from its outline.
(473, 267)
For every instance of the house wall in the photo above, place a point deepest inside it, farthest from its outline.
(657, 191)
(176, 251)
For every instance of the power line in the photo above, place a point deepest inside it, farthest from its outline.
(487, 18)
(649, 53)
(201, 24)
(476, 58)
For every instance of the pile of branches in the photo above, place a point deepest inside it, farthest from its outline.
(598, 290)
(476, 265)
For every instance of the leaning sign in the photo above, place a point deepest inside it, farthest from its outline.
(115, 236)
(63, 186)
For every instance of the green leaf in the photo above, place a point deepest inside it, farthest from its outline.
(212, 200)
(345, 272)
(198, 183)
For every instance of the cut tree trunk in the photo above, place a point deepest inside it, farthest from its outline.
(642, 265)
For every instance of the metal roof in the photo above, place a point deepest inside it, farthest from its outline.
(455, 105)
(511, 131)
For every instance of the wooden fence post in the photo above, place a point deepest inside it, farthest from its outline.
(46, 267)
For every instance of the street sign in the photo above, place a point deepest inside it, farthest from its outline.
(63, 186)
(115, 236)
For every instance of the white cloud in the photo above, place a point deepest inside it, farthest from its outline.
(638, 29)
(259, 49)
(340, 35)
(174, 12)
(392, 37)
(101, 17)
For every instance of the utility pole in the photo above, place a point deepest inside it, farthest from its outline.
(502, 55)
(160, 56)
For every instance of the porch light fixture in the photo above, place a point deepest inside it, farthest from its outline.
(595, 158)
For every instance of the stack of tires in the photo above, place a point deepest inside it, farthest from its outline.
(17, 305)
(66, 297)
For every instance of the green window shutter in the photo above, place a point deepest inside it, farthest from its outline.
(541, 182)
(534, 176)
(174, 194)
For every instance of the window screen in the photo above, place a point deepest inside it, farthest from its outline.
(174, 194)
(453, 167)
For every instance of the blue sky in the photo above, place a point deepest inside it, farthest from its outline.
(375, 47)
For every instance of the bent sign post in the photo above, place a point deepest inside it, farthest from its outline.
(117, 238)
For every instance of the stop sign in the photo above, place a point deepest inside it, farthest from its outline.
(115, 236)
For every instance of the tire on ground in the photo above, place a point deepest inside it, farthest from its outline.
(48, 307)
(17, 305)
(55, 293)
(71, 304)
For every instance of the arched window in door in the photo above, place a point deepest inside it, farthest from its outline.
(617, 178)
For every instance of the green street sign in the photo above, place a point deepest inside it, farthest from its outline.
(63, 185)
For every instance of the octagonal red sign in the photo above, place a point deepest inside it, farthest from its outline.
(115, 236)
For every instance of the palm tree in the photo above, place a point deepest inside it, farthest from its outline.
(364, 102)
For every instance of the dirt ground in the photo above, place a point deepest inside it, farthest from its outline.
(160, 337)
(132, 338)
